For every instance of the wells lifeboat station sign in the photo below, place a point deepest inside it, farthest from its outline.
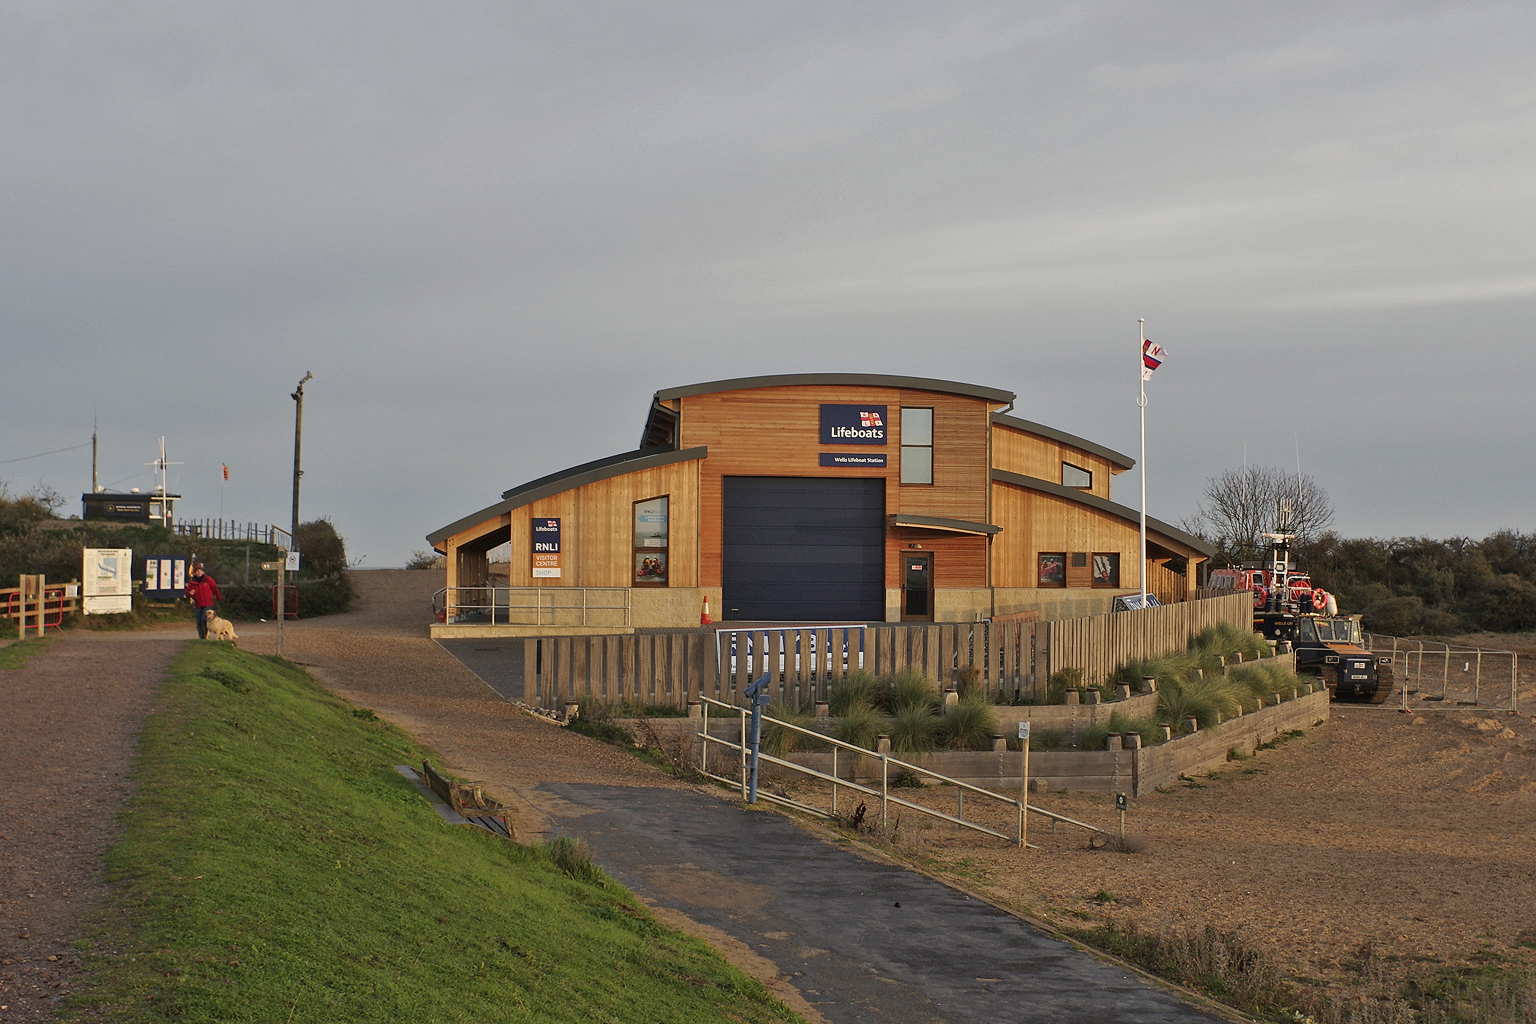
(546, 548)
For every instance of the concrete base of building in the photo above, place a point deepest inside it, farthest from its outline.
(476, 630)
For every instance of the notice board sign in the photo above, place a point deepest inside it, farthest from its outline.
(875, 460)
(546, 548)
(165, 577)
(853, 424)
(107, 581)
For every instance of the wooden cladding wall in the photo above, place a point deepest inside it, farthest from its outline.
(597, 529)
(1013, 658)
(776, 432)
(959, 560)
(1032, 455)
(1168, 585)
(1033, 522)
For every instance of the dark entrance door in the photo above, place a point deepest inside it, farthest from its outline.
(917, 587)
(804, 549)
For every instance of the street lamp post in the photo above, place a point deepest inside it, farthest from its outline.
(298, 437)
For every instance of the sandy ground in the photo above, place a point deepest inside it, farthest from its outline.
(1409, 834)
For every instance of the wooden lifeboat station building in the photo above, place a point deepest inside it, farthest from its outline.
(807, 498)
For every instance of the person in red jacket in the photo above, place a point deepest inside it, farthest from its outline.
(202, 591)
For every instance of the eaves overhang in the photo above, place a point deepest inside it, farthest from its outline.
(868, 380)
(1094, 501)
(1029, 427)
(946, 525)
(568, 479)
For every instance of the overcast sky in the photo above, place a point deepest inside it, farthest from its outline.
(493, 230)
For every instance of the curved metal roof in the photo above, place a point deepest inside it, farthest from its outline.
(566, 479)
(1034, 483)
(1123, 461)
(868, 380)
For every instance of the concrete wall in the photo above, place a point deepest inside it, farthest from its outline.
(1105, 771)
(1054, 602)
(1140, 771)
(1072, 716)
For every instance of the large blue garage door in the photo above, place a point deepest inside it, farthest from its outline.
(799, 548)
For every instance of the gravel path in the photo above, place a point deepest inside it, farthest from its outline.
(69, 721)
(380, 656)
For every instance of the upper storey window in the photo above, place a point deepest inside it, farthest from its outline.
(916, 446)
(1076, 476)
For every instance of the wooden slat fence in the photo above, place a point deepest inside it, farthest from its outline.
(1012, 658)
(1102, 643)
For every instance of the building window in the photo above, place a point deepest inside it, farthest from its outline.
(651, 542)
(1106, 569)
(917, 446)
(1053, 568)
(1076, 476)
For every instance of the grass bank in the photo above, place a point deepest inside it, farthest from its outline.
(16, 655)
(275, 867)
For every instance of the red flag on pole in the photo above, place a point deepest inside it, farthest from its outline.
(226, 472)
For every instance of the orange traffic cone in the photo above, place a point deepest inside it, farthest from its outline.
(704, 619)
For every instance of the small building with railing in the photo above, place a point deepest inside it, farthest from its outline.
(814, 498)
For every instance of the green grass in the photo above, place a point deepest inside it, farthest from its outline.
(857, 690)
(16, 655)
(968, 725)
(275, 867)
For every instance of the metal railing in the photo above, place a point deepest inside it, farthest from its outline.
(1427, 671)
(534, 606)
(229, 529)
(883, 793)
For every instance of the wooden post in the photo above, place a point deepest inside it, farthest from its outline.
(1024, 797)
(531, 671)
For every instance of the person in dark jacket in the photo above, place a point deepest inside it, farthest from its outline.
(202, 591)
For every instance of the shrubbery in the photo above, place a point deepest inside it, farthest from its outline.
(33, 541)
(1409, 585)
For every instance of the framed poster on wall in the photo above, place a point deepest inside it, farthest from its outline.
(546, 548)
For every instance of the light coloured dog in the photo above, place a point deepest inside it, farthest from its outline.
(221, 629)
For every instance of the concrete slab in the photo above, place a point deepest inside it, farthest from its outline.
(496, 660)
(863, 941)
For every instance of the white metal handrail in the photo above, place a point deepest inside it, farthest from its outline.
(546, 607)
(886, 761)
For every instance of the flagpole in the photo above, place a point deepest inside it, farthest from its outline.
(1141, 400)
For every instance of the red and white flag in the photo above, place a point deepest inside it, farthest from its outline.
(1151, 359)
(226, 472)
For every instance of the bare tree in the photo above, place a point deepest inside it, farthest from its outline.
(1241, 505)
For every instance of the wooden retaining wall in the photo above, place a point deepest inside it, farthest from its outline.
(1012, 658)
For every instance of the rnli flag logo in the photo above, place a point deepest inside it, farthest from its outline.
(870, 419)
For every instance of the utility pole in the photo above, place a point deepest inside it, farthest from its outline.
(298, 437)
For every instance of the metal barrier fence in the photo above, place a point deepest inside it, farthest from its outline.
(741, 757)
(39, 606)
(1434, 674)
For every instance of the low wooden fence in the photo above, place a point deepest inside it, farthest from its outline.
(39, 606)
(1011, 658)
